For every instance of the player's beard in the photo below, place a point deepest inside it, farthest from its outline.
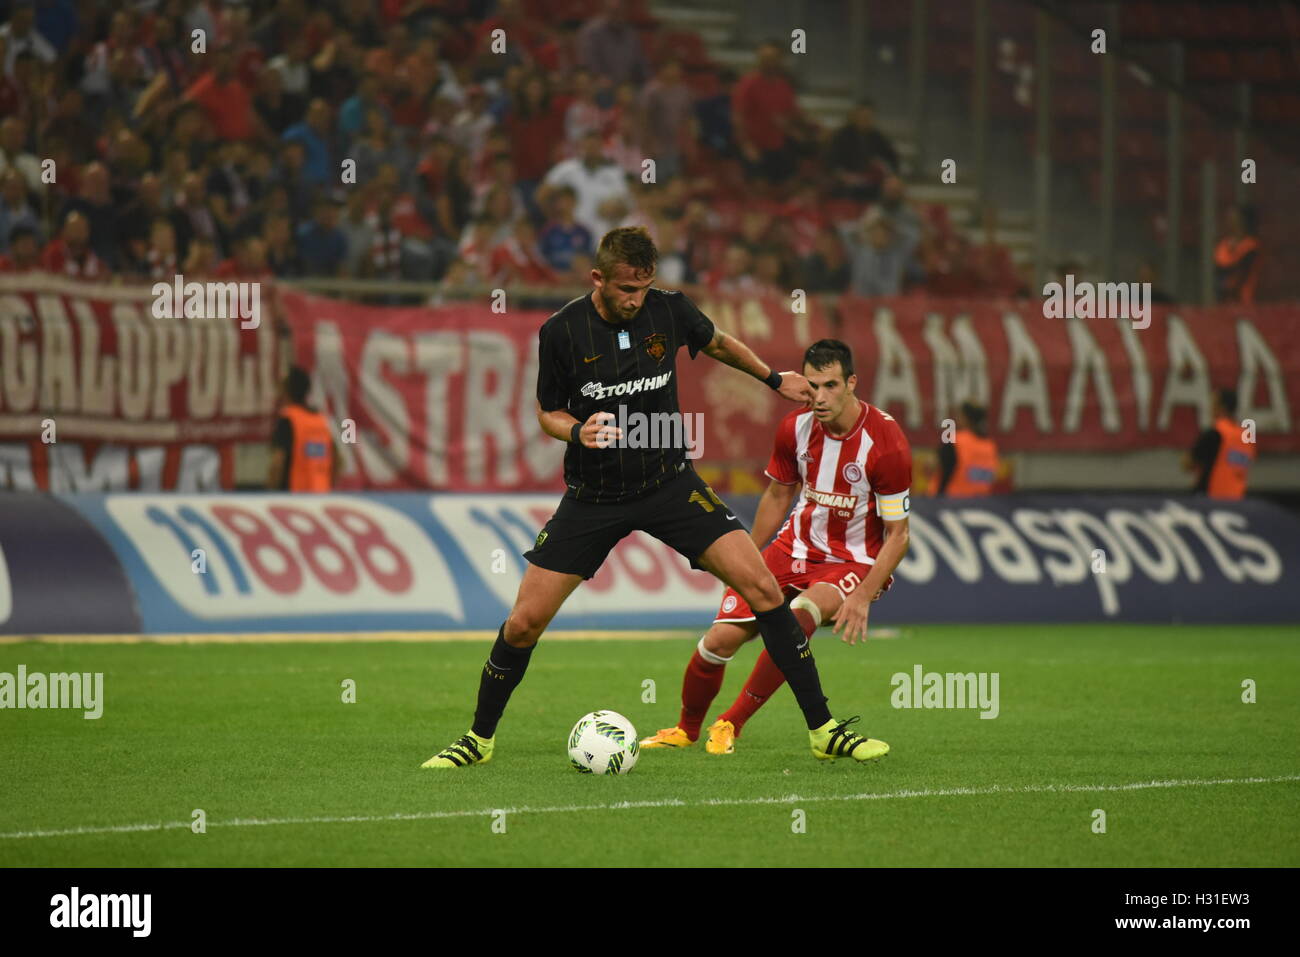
(613, 311)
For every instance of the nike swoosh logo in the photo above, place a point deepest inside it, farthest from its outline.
(730, 517)
(803, 646)
(593, 358)
(499, 668)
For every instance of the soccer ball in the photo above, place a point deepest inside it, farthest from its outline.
(603, 742)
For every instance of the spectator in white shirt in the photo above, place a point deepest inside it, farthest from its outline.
(21, 36)
(600, 186)
(13, 154)
(294, 67)
(470, 127)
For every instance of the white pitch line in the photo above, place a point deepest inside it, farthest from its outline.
(342, 637)
(636, 805)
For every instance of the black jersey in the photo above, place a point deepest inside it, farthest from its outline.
(589, 365)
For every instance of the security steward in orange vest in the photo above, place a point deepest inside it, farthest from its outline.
(1236, 258)
(968, 466)
(1221, 457)
(304, 457)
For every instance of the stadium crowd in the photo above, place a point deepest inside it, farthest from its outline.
(465, 141)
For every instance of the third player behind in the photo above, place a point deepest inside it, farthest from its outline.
(850, 467)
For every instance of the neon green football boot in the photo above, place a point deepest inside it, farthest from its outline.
(833, 740)
(468, 749)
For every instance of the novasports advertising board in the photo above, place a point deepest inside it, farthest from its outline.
(1085, 558)
(444, 397)
(341, 562)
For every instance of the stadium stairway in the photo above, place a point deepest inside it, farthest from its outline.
(828, 100)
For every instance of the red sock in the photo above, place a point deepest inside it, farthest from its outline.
(764, 681)
(699, 687)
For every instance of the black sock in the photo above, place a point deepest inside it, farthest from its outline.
(790, 650)
(502, 673)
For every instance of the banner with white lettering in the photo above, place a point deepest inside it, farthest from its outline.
(1077, 384)
(444, 397)
(111, 388)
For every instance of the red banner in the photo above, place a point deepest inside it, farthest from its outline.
(444, 397)
(1055, 385)
(115, 388)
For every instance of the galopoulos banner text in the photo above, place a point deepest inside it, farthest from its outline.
(106, 388)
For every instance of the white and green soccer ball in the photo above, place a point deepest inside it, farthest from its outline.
(603, 742)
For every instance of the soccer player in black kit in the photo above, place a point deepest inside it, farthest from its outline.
(618, 345)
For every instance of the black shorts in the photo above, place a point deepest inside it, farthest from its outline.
(683, 513)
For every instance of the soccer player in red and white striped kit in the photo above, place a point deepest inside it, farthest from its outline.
(850, 467)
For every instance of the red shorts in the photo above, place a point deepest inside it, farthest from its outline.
(795, 575)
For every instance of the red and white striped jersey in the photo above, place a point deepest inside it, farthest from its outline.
(850, 484)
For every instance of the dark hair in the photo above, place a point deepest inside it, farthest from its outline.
(21, 230)
(1228, 399)
(629, 245)
(822, 353)
(976, 416)
(297, 384)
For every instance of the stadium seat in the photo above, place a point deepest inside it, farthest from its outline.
(1260, 65)
(1142, 21)
(950, 57)
(677, 44)
(1209, 65)
(638, 12)
(952, 18)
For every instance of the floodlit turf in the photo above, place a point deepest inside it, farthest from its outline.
(258, 733)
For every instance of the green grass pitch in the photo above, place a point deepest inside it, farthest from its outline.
(258, 737)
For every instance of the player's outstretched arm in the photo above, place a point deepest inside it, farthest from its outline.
(852, 616)
(773, 507)
(733, 352)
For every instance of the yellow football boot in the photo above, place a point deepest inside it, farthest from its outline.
(668, 738)
(722, 738)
